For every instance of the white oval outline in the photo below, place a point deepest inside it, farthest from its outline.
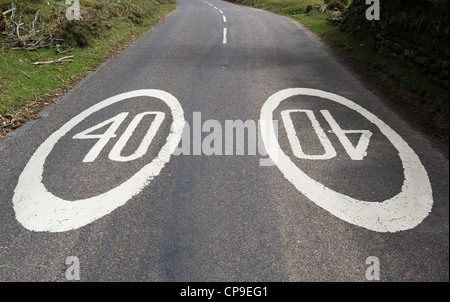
(402, 212)
(39, 210)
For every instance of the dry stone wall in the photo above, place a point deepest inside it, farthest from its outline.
(415, 33)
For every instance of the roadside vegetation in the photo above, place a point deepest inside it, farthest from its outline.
(408, 87)
(43, 54)
(31, 75)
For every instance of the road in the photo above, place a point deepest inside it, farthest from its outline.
(135, 174)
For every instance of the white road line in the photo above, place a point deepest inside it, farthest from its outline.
(330, 152)
(401, 212)
(224, 21)
(225, 35)
(38, 210)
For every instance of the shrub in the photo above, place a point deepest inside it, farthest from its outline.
(293, 10)
(3, 24)
(308, 8)
(339, 4)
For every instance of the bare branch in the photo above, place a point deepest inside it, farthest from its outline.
(23, 72)
(25, 34)
(8, 11)
(61, 60)
(63, 51)
(35, 18)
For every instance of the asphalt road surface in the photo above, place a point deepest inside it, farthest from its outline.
(227, 144)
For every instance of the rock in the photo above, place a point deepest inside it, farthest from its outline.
(336, 16)
(424, 51)
(434, 68)
(384, 51)
(443, 74)
(388, 43)
(441, 82)
(398, 48)
(423, 61)
(322, 9)
(315, 8)
(438, 61)
(410, 53)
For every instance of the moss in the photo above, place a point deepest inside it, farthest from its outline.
(339, 4)
(3, 24)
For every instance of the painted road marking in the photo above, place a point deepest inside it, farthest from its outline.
(225, 35)
(330, 152)
(224, 41)
(355, 153)
(120, 144)
(104, 138)
(39, 210)
(402, 212)
(146, 141)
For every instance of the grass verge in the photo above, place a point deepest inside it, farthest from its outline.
(25, 88)
(412, 94)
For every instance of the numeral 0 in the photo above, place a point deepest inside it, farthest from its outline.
(115, 122)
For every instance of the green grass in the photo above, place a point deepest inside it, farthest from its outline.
(361, 52)
(356, 50)
(21, 83)
(279, 6)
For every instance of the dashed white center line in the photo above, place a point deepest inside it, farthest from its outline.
(224, 21)
(225, 35)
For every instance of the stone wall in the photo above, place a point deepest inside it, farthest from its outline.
(414, 32)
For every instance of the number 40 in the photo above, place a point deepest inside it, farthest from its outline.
(357, 152)
(115, 122)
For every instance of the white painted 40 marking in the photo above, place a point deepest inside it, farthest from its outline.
(39, 210)
(404, 211)
(123, 140)
(355, 153)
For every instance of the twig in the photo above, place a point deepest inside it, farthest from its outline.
(26, 34)
(7, 125)
(23, 114)
(35, 18)
(25, 74)
(63, 51)
(9, 10)
(63, 59)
